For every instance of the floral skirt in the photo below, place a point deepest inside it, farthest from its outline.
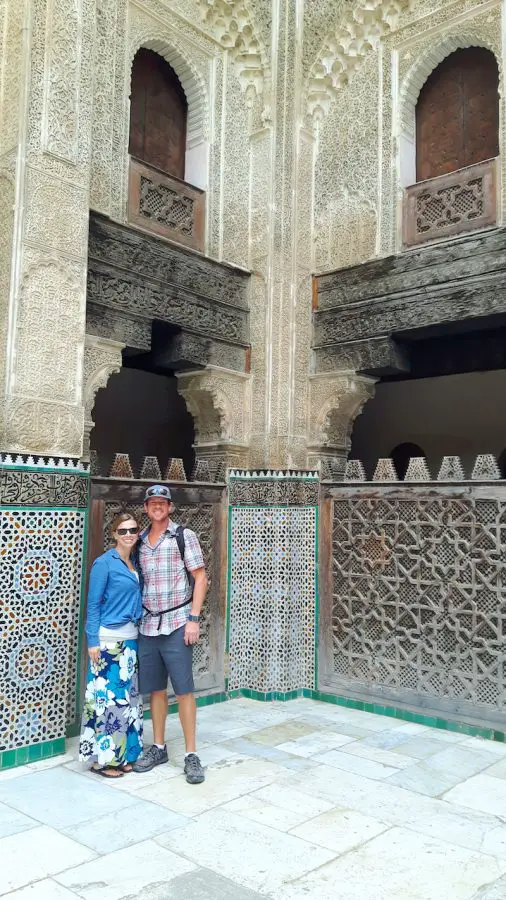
(112, 719)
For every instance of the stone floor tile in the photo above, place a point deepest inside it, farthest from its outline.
(279, 734)
(223, 784)
(498, 748)
(423, 779)
(248, 853)
(431, 817)
(78, 800)
(315, 742)
(340, 830)
(297, 801)
(198, 885)
(12, 821)
(494, 891)
(462, 762)
(376, 754)
(419, 747)
(16, 772)
(341, 727)
(47, 889)
(398, 864)
(388, 740)
(125, 874)
(132, 782)
(35, 854)
(482, 792)
(123, 827)
(349, 763)
(498, 769)
(252, 807)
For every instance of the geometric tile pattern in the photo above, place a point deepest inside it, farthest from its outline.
(418, 595)
(272, 598)
(41, 554)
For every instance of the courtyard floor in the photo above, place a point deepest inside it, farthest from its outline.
(302, 800)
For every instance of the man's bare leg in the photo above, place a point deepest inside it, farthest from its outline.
(158, 715)
(188, 719)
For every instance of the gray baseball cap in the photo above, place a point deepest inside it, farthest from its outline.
(157, 492)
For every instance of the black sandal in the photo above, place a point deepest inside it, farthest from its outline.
(105, 772)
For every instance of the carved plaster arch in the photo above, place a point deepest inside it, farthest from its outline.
(425, 65)
(413, 84)
(194, 87)
(102, 358)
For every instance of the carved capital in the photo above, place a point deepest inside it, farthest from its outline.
(102, 357)
(220, 403)
(335, 400)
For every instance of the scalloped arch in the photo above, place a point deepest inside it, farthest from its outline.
(425, 65)
(191, 81)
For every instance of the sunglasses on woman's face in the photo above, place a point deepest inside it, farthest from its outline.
(123, 531)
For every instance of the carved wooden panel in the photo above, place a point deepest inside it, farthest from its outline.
(451, 204)
(165, 205)
(412, 596)
(158, 113)
(457, 114)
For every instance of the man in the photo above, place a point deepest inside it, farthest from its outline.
(170, 626)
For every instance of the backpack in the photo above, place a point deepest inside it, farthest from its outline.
(179, 536)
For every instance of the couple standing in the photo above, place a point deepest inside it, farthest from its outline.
(161, 572)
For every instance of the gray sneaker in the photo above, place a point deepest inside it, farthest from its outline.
(153, 757)
(193, 769)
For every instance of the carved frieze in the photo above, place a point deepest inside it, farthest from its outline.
(445, 283)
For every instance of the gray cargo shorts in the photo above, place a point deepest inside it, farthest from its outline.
(165, 656)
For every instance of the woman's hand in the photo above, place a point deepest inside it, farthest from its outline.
(94, 654)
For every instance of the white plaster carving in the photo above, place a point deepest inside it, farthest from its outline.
(102, 357)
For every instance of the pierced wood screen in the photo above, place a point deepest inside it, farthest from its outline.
(457, 114)
(413, 597)
(158, 114)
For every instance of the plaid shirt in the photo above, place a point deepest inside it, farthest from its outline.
(165, 580)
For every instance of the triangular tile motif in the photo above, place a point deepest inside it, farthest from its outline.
(94, 463)
(150, 469)
(417, 470)
(486, 468)
(451, 469)
(201, 471)
(175, 470)
(385, 471)
(121, 467)
(325, 469)
(354, 470)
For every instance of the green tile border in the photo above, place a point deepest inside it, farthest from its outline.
(23, 755)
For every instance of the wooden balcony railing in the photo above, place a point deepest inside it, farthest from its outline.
(165, 205)
(450, 204)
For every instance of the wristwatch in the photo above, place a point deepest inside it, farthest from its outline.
(193, 618)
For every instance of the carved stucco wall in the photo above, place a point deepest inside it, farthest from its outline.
(292, 105)
(47, 99)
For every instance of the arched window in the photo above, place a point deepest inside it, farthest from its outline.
(158, 114)
(457, 114)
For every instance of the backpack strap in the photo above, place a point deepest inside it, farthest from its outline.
(179, 535)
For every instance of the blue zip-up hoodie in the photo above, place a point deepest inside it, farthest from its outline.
(114, 596)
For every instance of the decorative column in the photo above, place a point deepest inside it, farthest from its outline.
(46, 82)
(220, 403)
(335, 401)
(47, 78)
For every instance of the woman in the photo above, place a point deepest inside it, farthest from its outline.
(112, 720)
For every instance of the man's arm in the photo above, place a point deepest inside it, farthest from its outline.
(199, 590)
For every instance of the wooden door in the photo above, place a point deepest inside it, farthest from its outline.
(158, 113)
(457, 114)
